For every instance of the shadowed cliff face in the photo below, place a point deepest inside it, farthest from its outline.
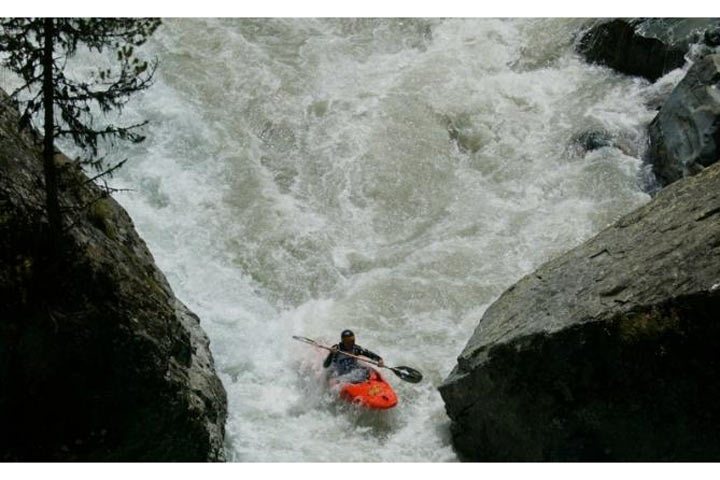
(608, 352)
(98, 360)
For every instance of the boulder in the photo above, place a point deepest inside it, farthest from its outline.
(607, 353)
(648, 48)
(99, 361)
(685, 135)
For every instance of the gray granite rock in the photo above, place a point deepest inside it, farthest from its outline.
(608, 352)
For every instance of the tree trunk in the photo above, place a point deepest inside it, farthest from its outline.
(51, 184)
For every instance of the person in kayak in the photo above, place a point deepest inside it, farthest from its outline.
(344, 365)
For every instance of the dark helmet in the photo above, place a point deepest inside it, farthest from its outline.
(347, 335)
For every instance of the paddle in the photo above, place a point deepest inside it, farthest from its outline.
(405, 373)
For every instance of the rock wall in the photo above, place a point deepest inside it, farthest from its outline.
(608, 352)
(98, 359)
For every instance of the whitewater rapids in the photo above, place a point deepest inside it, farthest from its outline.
(303, 176)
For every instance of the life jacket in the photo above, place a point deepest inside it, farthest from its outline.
(344, 364)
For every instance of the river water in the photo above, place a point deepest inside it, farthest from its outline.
(303, 176)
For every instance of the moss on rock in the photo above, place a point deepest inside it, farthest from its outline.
(100, 215)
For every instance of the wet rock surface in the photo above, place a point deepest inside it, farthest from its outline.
(608, 352)
(98, 359)
(685, 135)
(649, 48)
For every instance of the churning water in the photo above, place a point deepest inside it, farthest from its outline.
(303, 176)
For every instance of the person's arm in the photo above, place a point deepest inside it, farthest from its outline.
(329, 358)
(367, 353)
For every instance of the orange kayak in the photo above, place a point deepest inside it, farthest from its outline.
(374, 393)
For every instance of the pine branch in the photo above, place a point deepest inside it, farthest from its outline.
(109, 172)
(27, 86)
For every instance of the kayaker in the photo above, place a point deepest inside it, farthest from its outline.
(344, 364)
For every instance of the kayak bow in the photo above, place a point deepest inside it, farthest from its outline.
(374, 393)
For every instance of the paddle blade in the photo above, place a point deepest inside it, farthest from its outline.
(306, 340)
(408, 374)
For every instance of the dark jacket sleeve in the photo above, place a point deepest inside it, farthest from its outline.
(329, 359)
(367, 353)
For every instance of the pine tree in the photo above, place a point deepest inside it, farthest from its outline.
(38, 49)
